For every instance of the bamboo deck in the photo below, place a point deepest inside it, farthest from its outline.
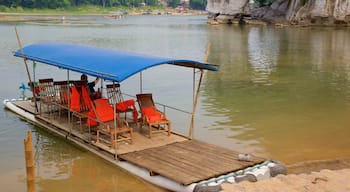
(175, 157)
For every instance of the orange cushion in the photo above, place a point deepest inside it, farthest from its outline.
(75, 100)
(90, 121)
(86, 97)
(104, 110)
(123, 106)
(148, 110)
(152, 114)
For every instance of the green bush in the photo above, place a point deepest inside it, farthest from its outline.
(3, 8)
(262, 3)
(19, 9)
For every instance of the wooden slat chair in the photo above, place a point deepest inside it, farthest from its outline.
(117, 129)
(151, 116)
(47, 95)
(85, 103)
(62, 90)
(115, 97)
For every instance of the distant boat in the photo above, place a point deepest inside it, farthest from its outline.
(117, 15)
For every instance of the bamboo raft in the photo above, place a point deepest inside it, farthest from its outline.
(175, 157)
(168, 159)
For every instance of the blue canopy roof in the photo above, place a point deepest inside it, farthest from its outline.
(104, 63)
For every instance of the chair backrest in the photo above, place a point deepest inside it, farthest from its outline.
(47, 91)
(114, 93)
(75, 100)
(104, 110)
(86, 102)
(62, 90)
(84, 95)
(148, 108)
(145, 100)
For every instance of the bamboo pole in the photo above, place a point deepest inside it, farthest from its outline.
(197, 92)
(195, 105)
(207, 53)
(29, 158)
(27, 69)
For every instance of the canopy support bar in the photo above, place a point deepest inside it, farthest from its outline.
(69, 112)
(27, 70)
(195, 104)
(141, 82)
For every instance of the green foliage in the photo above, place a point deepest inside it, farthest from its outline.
(262, 3)
(198, 4)
(76, 6)
(3, 8)
(303, 2)
(173, 3)
(54, 4)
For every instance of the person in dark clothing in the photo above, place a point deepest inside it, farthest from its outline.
(90, 85)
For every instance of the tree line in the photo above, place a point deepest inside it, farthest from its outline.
(54, 4)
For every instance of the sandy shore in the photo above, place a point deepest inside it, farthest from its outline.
(323, 181)
(318, 176)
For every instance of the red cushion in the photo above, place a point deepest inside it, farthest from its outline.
(104, 110)
(90, 121)
(75, 100)
(152, 114)
(86, 97)
(122, 106)
(148, 110)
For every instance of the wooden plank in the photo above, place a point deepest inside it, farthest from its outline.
(183, 162)
(27, 106)
(159, 165)
(222, 154)
(211, 159)
(189, 161)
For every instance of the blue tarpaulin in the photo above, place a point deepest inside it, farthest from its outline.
(99, 62)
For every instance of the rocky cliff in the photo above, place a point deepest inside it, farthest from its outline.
(303, 12)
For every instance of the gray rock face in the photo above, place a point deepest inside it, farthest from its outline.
(226, 7)
(319, 12)
(303, 12)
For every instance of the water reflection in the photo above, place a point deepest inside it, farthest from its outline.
(263, 52)
(283, 93)
(61, 165)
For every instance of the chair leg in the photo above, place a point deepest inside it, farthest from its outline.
(150, 131)
(140, 127)
(98, 136)
(169, 126)
(81, 124)
(131, 136)
(112, 140)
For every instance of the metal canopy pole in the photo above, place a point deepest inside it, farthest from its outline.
(195, 104)
(69, 94)
(115, 125)
(141, 82)
(33, 84)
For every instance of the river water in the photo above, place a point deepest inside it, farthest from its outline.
(281, 93)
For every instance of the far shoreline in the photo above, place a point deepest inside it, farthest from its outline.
(18, 17)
